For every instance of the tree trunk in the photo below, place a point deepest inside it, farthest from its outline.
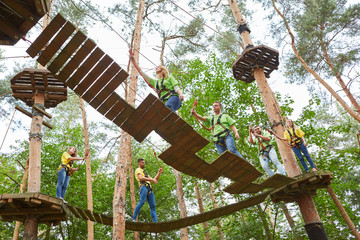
(22, 189)
(307, 206)
(88, 171)
(264, 221)
(214, 202)
(125, 149)
(347, 108)
(343, 212)
(201, 209)
(182, 206)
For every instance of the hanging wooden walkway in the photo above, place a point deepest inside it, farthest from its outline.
(51, 210)
(18, 17)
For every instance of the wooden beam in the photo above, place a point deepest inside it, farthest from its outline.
(42, 111)
(30, 115)
(21, 10)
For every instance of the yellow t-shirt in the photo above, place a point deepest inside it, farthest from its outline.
(65, 159)
(298, 132)
(141, 171)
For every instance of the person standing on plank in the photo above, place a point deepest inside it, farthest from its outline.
(165, 85)
(221, 124)
(64, 171)
(146, 192)
(266, 150)
(295, 136)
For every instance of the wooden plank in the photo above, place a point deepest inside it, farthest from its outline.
(42, 111)
(94, 96)
(67, 52)
(277, 180)
(94, 74)
(90, 215)
(42, 6)
(74, 63)
(30, 115)
(116, 109)
(46, 35)
(108, 104)
(97, 217)
(84, 69)
(56, 43)
(10, 30)
(74, 211)
(82, 213)
(21, 10)
(55, 206)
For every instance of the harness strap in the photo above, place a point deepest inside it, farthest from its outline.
(295, 140)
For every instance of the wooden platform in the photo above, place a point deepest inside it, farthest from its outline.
(18, 17)
(306, 183)
(49, 210)
(259, 56)
(26, 83)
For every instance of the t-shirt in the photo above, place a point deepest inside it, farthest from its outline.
(265, 143)
(225, 120)
(298, 132)
(169, 83)
(141, 171)
(65, 159)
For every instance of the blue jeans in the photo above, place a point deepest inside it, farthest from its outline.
(62, 184)
(174, 103)
(151, 201)
(264, 160)
(301, 158)
(229, 145)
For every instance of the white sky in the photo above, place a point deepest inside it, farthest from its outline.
(118, 50)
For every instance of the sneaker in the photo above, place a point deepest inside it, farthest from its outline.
(65, 201)
(314, 169)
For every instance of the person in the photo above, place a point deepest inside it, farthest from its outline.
(146, 192)
(221, 125)
(64, 171)
(266, 150)
(295, 136)
(166, 85)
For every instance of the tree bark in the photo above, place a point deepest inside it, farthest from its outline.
(305, 201)
(347, 108)
(88, 171)
(264, 221)
(201, 210)
(125, 149)
(182, 206)
(22, 189)
(214, 202)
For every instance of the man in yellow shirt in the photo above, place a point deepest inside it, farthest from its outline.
(146, 192)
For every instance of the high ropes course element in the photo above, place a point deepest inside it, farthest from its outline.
(52, 210)
(76, 61)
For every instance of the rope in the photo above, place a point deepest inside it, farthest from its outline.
(5, 94)
(12, 117)
(158, 159)
(204, 23)
(193, 108)
(285, 142)
(82, 162)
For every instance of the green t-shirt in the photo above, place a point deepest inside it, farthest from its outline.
(225, 120)
(265, 143)
(169, 83)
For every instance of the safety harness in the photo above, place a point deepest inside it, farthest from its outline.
(226, 131)
(147, 185)
(67, 169)
(161, 87)
(295, 141)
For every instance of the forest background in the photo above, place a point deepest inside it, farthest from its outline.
(201, 59)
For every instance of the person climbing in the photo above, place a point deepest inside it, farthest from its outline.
(266, 150)
(295, 136)
(64, 171)
(146, 192)
(165, 85)
(221, 125)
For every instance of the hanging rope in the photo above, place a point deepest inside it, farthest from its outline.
(193, 108)
(157, 159)
(12, 117)
(5, 94)
(72, 171)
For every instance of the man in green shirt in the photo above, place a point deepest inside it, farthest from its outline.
(266, 150)
(221, 125)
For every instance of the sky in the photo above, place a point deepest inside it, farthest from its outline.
(113, 45)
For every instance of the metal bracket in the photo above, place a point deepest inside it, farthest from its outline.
(35, 135)
(242, 28)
